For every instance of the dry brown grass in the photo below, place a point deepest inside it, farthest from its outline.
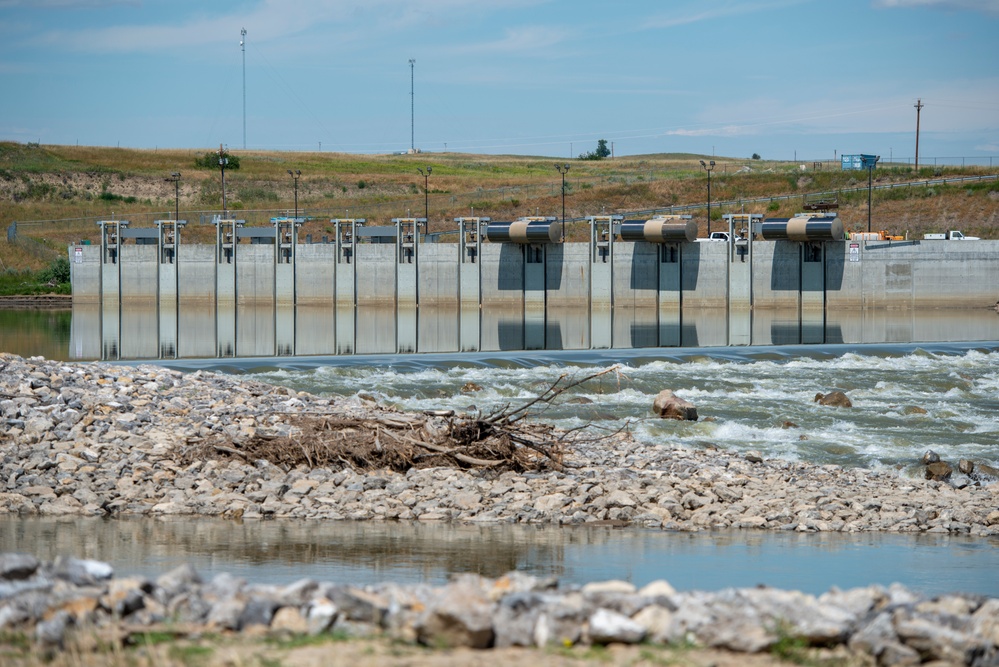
(72, 187)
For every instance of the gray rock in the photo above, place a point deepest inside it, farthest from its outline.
(938, 637)
(356, 604)
(873, 637)
(321, 616)
(223, 586)
(258, 611)
(657, 622)
(14, 567)
(898, 655)
(930, 456)
(516, 617)
(52, 632)
(609, 627)
(226, 614)
(462, 616)
(81, 572)
(177, 581)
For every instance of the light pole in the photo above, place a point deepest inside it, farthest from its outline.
(223, 161)
(412, 108)
(242, 46)
(175, 179)
(295, 175)
(563, 169)
(708, 167)
(870, 182)
(426, 193)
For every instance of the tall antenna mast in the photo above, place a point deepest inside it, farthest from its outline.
(242, 45)
(412, 109)
(919, 107)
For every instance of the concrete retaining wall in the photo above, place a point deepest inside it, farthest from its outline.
(573, 296)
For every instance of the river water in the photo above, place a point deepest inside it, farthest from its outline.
(371, 552)
(909, 395)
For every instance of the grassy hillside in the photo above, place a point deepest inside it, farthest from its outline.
(57, 193)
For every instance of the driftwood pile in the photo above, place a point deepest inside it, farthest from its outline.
(506, 439)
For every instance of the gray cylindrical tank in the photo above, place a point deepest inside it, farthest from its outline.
(522, 231)
(802, 228)
(659, 230)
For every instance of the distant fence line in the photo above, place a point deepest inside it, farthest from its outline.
(414, 207)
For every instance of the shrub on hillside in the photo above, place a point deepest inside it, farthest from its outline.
(58, 272)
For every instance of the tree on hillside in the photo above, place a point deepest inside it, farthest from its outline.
(210, 160)
(599, 153)
(756, 156)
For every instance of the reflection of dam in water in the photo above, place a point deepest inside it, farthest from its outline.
(262, 292)
(308, 330)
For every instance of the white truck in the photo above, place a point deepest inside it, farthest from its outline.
(720, 236)
(952, 235)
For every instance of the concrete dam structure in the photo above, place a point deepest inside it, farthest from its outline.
(262, 291)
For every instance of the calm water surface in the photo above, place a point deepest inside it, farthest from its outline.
(370, 552)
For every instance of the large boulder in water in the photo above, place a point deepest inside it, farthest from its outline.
(670, 406)
(836, 399)
(939, 471)
(979, 472)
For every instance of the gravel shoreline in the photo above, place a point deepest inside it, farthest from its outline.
(102, 439)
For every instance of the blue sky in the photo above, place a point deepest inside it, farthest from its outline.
(788, 79)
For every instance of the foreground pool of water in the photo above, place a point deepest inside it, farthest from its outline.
(364, 553)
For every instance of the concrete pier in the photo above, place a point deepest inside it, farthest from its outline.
(470, 283)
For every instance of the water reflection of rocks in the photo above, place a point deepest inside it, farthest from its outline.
(419, 551)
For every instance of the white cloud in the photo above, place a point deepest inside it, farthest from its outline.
(987, 6)
(726, 131)
(715, 12)
(990, 147)
(519, 41)
(66, 4)
(270, 21)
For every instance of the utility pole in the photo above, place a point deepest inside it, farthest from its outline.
(412, 108)
(563, 169)
(919, 107)
(242, 45)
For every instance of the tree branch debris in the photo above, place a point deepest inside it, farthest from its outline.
(508, 438)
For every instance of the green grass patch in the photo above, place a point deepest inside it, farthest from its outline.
(256, 193)
(299, 641)
(191, 654)
(110, 196)
(790, 647)
(982, 187)
(15, 640)
(153, 638)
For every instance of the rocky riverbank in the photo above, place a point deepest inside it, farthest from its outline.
(51, 604)
(101, 439)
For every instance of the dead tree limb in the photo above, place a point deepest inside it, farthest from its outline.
(509, 416)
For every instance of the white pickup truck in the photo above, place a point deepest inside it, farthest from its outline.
(952, 235)
(720, 236)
